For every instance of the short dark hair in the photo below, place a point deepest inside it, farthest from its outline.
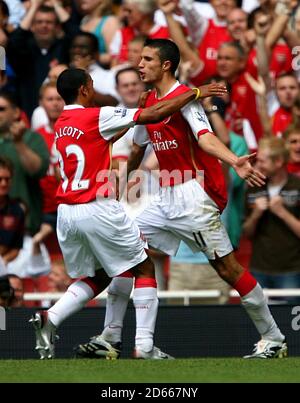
(235, 45)
(5, 163)
(69, 82)
(286, 74)
(126, 70)
(167, 50)
(47, 10)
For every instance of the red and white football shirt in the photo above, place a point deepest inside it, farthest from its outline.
(83, 141)
(175, 142)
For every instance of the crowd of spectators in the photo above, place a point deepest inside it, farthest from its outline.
(251, 46)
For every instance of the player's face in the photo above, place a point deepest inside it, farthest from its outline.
(287, 90)
(52, 102)
(8, 114)
(150, 66)
(5, 181)
(223, 7)
(229, 63)
(237, 23)
(44, 26)
(293, 143)
(80, 46)
(265, 164)
(130, 88)
(133, 15)
(134, 53)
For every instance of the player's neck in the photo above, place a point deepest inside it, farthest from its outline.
(163, 87)
(82, 102)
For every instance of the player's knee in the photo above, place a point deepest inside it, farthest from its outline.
(229, 270)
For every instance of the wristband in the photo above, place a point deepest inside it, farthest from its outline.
(198, 93)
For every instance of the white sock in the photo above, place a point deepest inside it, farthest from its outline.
(74, 299)
(116, 304)
(146, 304)
(256, 306)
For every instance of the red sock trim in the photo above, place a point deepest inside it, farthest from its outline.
(93, 285)
(245, 284)
(126, 274)
(145, 282)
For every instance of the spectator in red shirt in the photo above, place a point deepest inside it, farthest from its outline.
(287, 91)
(231, 64)
(139, 15)
(208, 34)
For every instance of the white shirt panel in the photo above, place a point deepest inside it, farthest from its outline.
(113, 119)
(123, 146)
(140, 136)
(194, 114)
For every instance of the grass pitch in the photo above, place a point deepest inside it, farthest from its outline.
(128, 371)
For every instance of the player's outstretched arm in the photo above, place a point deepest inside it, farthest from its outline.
(163, 109)
(213, 146)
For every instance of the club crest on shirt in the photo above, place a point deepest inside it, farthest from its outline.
(201, 117)
(166, 121)
(120, 112)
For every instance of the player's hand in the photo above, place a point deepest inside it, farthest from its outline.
(213, 90)
(246, 171)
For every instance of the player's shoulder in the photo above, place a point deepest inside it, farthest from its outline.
(181, 88)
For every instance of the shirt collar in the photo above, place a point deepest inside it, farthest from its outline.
(73, 106)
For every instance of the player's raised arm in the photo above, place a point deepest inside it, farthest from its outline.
(163, 109)
(213, 146)
(210, 143)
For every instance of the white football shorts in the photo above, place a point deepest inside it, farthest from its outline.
(186, 213)
(98, 235)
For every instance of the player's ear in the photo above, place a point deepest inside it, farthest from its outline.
(166, 65)
(83, 90)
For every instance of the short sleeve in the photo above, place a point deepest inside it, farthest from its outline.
(140, 136)
(195, 116)
(114, 119)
